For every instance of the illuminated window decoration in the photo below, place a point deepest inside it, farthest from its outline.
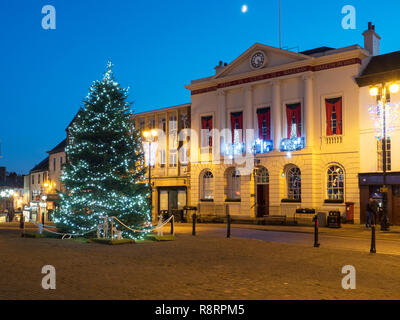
(264, 123)
(263, 146)
(150, 152)
(292, 144)
(333, 116)
(233, 149)
(392, 117)
(335, 183)
(293, 180)
(206, 128)
(293, 116)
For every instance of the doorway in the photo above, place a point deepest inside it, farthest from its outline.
(262, 192)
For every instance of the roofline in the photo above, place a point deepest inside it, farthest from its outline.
(161, 109)
(375, 78)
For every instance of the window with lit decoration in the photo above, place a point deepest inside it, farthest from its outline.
(173, 141)
(233, 185)
(388, 154)
(207, 185)
(263, 143)
(294, 140)
(206, 128)
(237, 127)
(293, 180)
(333, 116)
(335, 185)
(236, 146)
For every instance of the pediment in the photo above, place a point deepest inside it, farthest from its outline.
(274, 57)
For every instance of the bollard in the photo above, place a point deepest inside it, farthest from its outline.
(228, 231)
(194, 224)
(373, 248)
(172, 225)
(22, 226)
(316, 244)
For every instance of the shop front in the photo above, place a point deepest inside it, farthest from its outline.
(371, 185)
(173, 200)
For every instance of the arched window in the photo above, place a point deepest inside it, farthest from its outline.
(262, 176)
(293, 175)
(233, 184)
(207, 185)
(335, 186)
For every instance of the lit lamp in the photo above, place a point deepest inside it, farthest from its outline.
(149, 136)
(381, 91)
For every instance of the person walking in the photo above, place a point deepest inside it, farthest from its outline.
(372, 207)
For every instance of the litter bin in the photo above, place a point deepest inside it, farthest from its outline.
(321, 219)
(349, 212)
(334, 219)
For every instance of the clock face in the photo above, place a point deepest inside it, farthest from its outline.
(258, 60)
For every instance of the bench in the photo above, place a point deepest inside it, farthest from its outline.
(309, 213)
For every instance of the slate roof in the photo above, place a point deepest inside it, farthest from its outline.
(59, 148)
(42, 166)
(382, 68)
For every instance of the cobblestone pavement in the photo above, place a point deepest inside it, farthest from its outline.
(203, 267)
(355, 238)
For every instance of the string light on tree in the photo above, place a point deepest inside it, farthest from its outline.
(105, 172)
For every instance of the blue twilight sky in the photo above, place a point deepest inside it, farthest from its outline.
(156, 46)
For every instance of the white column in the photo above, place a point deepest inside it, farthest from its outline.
(309, 109)
(248, 115)
(222, 122)
(276, 113)
(222, 109)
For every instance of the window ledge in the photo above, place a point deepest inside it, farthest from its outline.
(291, 200)
(233, 200)
(333, 201)
(207, 200)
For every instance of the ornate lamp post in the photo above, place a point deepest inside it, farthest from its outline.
(381, 92)
(149, 137)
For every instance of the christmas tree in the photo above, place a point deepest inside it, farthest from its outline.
(104, 174)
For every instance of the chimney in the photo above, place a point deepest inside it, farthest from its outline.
(371, 40)
(220, 66)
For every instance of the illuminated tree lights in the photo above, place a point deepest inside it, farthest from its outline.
(392, 117)
(105, 170)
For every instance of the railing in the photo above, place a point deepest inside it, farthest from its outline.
(333, 139)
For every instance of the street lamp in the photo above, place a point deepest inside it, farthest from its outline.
(149, 136)
(380, 92)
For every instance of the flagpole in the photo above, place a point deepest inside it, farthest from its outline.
(280, 26)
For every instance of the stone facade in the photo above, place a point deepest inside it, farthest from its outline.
(287, 78)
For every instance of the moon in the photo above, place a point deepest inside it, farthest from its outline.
(244, 8)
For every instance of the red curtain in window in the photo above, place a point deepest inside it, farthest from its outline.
(338, 107)
(293, 110)
(264, 114)
(204, 123)
(210, 127)
(236, 123)
(207, 124)
(330, 104)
